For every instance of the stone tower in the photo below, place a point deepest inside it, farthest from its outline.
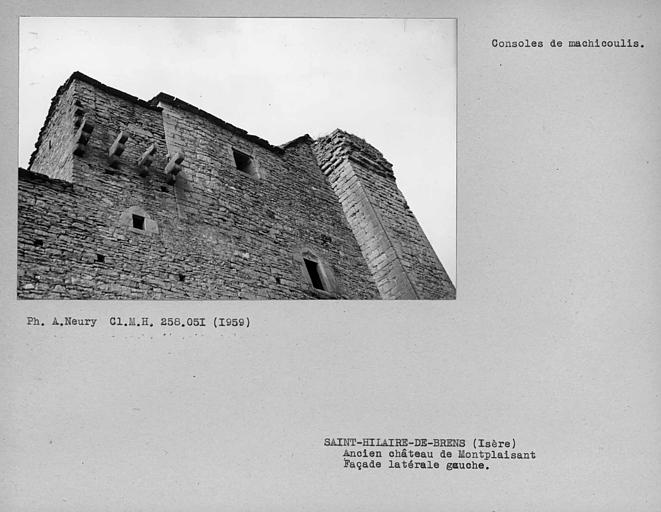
(133, 199)
(396, 250)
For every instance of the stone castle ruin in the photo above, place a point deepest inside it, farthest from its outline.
(129, 199)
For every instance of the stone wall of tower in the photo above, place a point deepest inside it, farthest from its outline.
(402, 261)
(161, 200)
(216, 233)
(54, 156)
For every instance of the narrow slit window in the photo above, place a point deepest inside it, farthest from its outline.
(313, 271)
(138, 222)
(244, 163)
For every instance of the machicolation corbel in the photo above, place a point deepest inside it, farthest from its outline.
(83, 136)
(146, 159)
(78, 114)
(174, 166)
(117, 149)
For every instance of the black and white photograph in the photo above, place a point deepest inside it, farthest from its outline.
(155, 175)
(330, 256)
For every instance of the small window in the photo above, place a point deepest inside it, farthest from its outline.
(244, 163)
(38, 243)
(100, 258)
(138, 222)
(313, 271)
(136, 219)
(182, 278)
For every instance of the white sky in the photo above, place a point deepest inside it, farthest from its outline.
(391, 82)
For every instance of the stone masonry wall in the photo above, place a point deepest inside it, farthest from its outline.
(56, 138)
(216, 233)
(397, 251)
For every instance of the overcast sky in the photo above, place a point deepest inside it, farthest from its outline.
(391, 82)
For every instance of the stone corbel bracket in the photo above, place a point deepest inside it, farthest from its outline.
(146, 159)
(78, 113)
(174, 166)
(82, 136)
(117, 149)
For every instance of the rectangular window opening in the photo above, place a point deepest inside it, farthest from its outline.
(100, 258)
(138, 222)
(313, 271)
(38, 243)
(244, 163)
(182, 278)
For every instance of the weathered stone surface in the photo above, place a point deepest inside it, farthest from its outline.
(88, 229)
(402, 261)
